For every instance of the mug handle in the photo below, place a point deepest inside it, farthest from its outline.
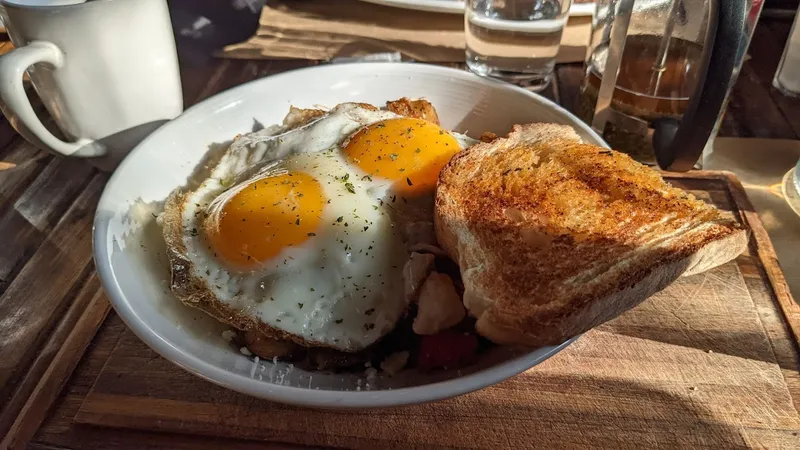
(678, 144)
(12, 92)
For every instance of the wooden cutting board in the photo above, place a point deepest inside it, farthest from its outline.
(710, 362)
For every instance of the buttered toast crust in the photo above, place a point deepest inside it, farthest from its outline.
(554, 237)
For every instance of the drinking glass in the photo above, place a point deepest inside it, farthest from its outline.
(787, 77)
(787, 80)
(515, 40)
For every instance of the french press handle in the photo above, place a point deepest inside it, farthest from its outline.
(678, 144)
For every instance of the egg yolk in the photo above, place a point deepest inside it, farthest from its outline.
(410, 152)
(258, 220)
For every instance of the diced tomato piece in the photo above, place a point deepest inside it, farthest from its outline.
(449, 349)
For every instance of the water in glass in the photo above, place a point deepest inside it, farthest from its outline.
(515, 40)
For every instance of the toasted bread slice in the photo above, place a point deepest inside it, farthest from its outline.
(554, 237)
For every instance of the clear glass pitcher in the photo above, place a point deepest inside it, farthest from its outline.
(658, 74)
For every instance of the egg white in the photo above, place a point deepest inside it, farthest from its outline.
(341, 288)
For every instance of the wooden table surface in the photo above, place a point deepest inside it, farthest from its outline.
(50, 294)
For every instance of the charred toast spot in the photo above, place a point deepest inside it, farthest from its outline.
(580, 212)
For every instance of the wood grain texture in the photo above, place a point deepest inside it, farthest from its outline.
(756, 109)
(82, 320)
(769, 56)
(766, 254)
(31, 218)
(706, 363)
(34, 303)
(60, 432)
(21, 164)
(43, 359)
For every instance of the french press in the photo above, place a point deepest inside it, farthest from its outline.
(658, 73)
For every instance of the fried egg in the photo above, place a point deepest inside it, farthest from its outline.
(301, 228)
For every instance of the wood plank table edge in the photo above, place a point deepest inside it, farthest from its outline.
(58, 372)
(764, 249)
(768, 260)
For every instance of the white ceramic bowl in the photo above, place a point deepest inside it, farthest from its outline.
(129, 254)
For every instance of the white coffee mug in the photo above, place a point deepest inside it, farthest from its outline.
(106, 70)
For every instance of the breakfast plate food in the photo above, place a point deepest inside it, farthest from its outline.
(578, 8)
(394, 234)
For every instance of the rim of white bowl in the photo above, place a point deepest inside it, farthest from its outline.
(296, 395)
(440, 6)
